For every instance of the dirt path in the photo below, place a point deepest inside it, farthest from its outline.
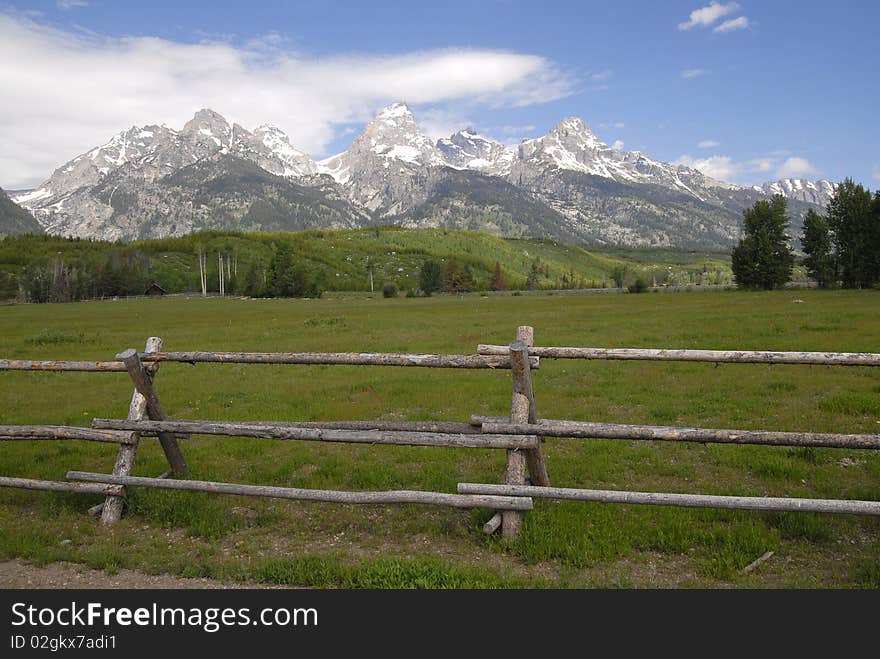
(20, 574)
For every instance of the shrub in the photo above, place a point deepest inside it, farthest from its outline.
(638, 286)
(389, 290)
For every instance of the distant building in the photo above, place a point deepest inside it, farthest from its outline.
(154, 290)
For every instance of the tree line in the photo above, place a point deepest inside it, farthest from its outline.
(841, 245)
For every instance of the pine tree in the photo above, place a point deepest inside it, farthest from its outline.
(431, 277)
(763, 259)
(874, 239)
(816, 241)
(852, 225)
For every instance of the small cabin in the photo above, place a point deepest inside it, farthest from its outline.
(154, 290)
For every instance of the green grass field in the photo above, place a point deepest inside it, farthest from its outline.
(565, 544)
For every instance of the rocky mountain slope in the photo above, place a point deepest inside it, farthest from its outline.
(14, 219)
(154, 181)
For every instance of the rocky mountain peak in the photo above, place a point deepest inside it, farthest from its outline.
(277, 145)
(467, 149)
(575, 135)
(393, 136)
(813, 192)
(208, 125)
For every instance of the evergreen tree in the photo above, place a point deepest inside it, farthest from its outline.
(874, 239)
(532, 279)
(286, 278)
(763, 259)
(816, 241)
(431, 277)
(853, 227)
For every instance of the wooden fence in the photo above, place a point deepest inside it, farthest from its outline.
(148, 418)
(521, 435)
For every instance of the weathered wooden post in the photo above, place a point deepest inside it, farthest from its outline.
(127, 452)
(522, 406)
(143, 383)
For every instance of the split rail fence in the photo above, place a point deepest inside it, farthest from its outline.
(521, 435)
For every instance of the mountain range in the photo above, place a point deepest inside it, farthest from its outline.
(154, 181)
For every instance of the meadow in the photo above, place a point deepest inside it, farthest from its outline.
(563, 544)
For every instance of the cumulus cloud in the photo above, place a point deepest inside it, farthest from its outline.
(762, 164)
(692, 73)
(722, 168)
(795, 167)
(618, 144)
(708, 144)
(755, 170)
(705, 16)
(73, 91)
(740, 23)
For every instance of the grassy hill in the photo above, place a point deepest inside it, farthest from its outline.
(340, 260)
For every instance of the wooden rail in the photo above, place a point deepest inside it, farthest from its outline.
(712, 356)
(591, 430)
(333, 496)
(289, 432)
(684, 500)
(44, 365)
(60, 486)
(336, 358)
(452, 427)
(8, 433)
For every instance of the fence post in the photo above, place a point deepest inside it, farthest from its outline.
(127, 452)
(522, 384)
(521, 408)
(144, 385)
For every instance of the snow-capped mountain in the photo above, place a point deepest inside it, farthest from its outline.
(382, 168)
(153, 152)
(572, 146)
(568, 184)
(270, 148)
(468, 150)
(154, 181)
(812, 192)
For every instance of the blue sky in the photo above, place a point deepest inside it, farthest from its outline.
(746, 90)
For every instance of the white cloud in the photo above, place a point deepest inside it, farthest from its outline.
(708, 144)
(602, 75)
(73, 91)
(755, 170)
(705, 16)
(441, 122)
(71, 4)
(876, 173)
(613, 124)
(618, 144)
(794, 168)
(692, 73)
(762, 164)
(740, 23)
(719, 167)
